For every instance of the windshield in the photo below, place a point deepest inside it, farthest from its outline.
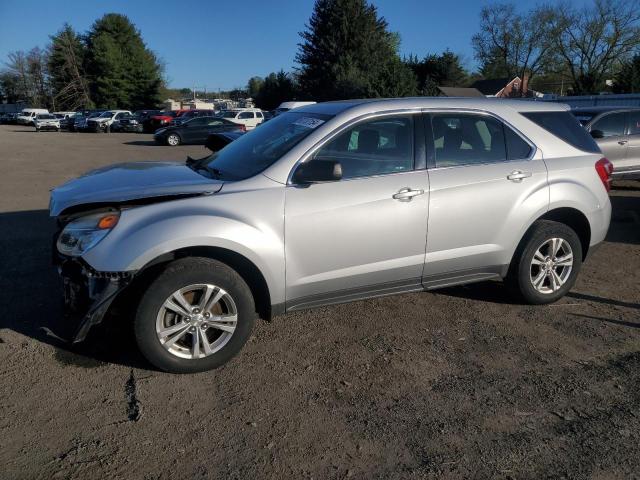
(106, 114)
(253, 152)
(46, 116)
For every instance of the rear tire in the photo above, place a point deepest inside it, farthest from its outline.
(546, 263)
(171, 334)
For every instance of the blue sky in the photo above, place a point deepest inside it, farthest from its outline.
(220, 45)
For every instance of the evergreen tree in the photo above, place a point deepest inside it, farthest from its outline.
(628, 79)
(122, 71)
(347, 52)
(66, 71)
(443, 70)
(276, 88)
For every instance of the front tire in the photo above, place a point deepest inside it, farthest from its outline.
(547, 262)
(173, 140)
(195, 316)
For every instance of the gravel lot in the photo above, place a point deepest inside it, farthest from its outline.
(461, 383)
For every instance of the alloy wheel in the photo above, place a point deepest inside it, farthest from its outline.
(551, 265)
(196, 321)
(173, 140)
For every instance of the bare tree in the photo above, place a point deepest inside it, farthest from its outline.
(68, 79)
(17, 67)
(29, 72)
(510, 43)
(593, 42)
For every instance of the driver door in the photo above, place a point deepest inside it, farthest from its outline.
(365, 234)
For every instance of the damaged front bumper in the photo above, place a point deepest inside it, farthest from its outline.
(88, 294)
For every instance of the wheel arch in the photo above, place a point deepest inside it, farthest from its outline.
(249, 272)
(569, 216)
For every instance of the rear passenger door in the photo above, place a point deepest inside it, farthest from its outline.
(632, 159)
(485, 185)
(610, 136)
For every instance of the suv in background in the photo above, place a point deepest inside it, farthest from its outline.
(46, 121)
(162, 119)
(249, 117)
(332, 203)
(103, 122)
(616, 130)
(133, 122)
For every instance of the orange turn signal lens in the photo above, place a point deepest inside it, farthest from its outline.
(108, 221)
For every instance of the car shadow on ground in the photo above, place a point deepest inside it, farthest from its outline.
(149, 143)
(31, 295)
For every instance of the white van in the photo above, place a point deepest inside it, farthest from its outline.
(286, 106)
(249, 117)
(28, 115)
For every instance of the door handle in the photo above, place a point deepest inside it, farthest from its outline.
(406, 194)
(517, 175)
(622, 142)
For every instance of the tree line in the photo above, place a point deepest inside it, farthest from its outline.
(347, 51)
(108, 67)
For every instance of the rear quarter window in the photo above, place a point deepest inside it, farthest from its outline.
(566, 127)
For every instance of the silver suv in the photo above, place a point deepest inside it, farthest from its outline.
(330, 203)
(617, 133)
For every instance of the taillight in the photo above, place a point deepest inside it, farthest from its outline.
(605, 168)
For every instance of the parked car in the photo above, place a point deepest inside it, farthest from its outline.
(162, 119)
(69, 121)
(8, 118)
(331, 203)
(27, 115)
(103, 122)
(46, 121)
(286, 106)
(188, 115)
(80, 123)
(66, 118)
(195, 131)
(616, 130)
(249, 117)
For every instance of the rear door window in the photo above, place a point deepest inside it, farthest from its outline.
(566, 127)
(465, 139)
(611, 125)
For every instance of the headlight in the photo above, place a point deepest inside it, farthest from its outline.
(80, 235)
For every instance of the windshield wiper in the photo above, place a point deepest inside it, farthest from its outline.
(198, 166)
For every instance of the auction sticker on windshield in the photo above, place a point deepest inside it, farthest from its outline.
(309, 122)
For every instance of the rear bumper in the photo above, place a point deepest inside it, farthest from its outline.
(626, 173)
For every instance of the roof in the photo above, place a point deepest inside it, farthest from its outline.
(460, 92)
(383, 104)
(490, 86)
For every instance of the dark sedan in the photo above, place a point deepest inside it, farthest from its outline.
(194, 131)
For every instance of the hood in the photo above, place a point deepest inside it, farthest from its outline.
(130, 181)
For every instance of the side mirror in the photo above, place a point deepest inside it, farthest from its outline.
(597, 133)
(317, 171)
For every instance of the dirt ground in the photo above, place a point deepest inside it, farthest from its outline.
(459, 383)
